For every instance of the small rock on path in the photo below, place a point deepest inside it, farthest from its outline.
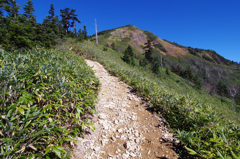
(123, 126)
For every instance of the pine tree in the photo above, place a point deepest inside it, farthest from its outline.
(80, 36)
(155, 66)
(74, 19)
(222, 89)
(143, 62)
(51, 12)
(148, 50)
(2, 3)
(126, 57)
(85, 32)
(29, 10)
(65, 18)
(197, 82)
(129, 56)
(12, 8)
(167, 71)
(188, 73)
(113, 46)
(173, 68)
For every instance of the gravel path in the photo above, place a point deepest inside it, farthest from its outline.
(124, 128)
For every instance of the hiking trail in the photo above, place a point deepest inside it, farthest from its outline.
(124, 126)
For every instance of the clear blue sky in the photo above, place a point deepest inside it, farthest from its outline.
(206, 24)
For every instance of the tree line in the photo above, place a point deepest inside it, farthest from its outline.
(22, 30)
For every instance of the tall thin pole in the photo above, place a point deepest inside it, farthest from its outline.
(96, 31)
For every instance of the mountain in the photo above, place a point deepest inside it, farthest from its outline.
(131, 35)
(207, 69)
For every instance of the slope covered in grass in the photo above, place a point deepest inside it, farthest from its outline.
(45, 96)
(217, 75)
(192, 115)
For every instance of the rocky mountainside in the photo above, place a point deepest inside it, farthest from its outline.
(131, 35)
(205, 68)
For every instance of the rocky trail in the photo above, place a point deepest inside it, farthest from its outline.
(124, 126)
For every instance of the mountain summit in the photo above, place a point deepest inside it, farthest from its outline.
(205, 68)
(120, 37)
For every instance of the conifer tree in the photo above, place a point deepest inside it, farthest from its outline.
(85, 32)
(167, 71)
(68, 15)
(155, 66)
(113, 46)
(12, 8)
(143, 62)
(51, 12)
(148, 50)
(74, 20)
(29, 10)
(2, 3)
(80, 36)
(129, 56)
(126, 57)
(65, 18)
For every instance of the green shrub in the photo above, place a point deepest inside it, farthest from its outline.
(44, 95)
(105, 48)
(160, 47)
(150, 35)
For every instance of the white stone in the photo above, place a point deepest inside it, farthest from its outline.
(96, 148)
(137, 140)
(116, 121)
(105, 126)
(125, 155)
(127, 145)
(133, 155)
(120, 130)
(136, 134)
(118, 150)
(123, 137)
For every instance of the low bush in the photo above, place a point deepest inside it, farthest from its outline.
(45, 96)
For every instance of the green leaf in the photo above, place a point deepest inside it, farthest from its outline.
(21, 99)
(7, 140)
(48, 149)
(10, 112)
(59, 148)
(191, 152)
(79, 109)
(56, 151)
(220, 154)
(234, 155)
(27, 123)
(21, 111)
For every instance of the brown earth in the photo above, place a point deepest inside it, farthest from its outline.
(124, 126)
(138, 39)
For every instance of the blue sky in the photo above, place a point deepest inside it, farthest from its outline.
(206, 24)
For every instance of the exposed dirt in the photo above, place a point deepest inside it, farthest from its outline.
(125, 127)
(138, 39)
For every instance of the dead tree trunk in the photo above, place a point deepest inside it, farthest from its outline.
(96, 31)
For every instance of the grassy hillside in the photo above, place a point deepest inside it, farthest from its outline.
(193, 115)
(217, 75)
(45, 97)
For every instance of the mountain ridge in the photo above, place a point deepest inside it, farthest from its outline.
(139, 37)
(205, 68)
